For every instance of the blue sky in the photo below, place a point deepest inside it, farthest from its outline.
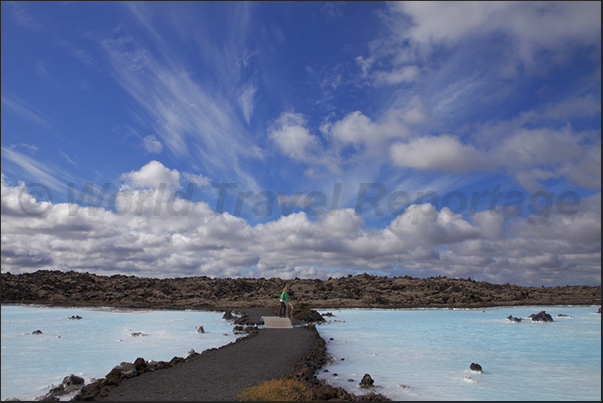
(345, 137)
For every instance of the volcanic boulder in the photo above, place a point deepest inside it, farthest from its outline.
(541, 316)
(476, 367)
(366, 382)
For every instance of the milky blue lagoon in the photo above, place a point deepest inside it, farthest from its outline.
(92, 346)
(429, 350)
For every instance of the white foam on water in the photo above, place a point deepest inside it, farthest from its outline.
(90, 347)
(430, 350)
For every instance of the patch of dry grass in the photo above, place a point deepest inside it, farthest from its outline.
(277, 390)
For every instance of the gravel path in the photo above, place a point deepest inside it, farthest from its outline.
(220, 374)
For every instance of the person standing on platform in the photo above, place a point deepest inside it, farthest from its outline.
(284, 301)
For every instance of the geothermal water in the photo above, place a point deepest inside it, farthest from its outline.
(90, 347)
(430, 352)
(427, 350)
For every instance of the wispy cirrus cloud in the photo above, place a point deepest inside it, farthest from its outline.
(47, 174)
(193, 118)
(27, 112)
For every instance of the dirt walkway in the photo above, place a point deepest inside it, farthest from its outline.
(220, 374)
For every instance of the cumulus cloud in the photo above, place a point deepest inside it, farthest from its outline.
(531, 27)
(438, 153)
(424, 222)
(358, 129)
(529, 147)
(293, 138)
(151, 176)
(534, 154)
(580, 223)
(166, 242)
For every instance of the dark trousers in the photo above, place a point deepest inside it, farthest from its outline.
(283, 310)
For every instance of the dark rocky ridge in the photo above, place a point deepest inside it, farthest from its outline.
(360, 291)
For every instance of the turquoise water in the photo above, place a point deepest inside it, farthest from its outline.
(92, 346)
(431, 350)
(428, 350)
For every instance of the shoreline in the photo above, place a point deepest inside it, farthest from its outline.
(318, 308)
(202, 293)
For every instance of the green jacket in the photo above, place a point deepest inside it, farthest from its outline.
(285, 296)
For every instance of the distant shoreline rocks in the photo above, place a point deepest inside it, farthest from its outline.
(59, 288)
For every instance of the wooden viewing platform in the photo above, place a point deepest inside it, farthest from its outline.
(276, 322)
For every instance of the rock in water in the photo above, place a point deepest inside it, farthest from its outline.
(476, 367)
(541, 316)
(73, 382)
(200, 329)
(366, 382)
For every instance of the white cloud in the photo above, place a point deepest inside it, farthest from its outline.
(405, 74)
(416, 112)
(151, 176)
(358, 129)
(438, 153)
(432, 227)
(197, 179)
(246, 100)
(586, 106)
(581, 223)
(194, 119)
(585, 172)
(532, 26)
(27, 112)
(145, 242)
(152, 145)
(48, 175)
(293, 138)
(533, 147)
